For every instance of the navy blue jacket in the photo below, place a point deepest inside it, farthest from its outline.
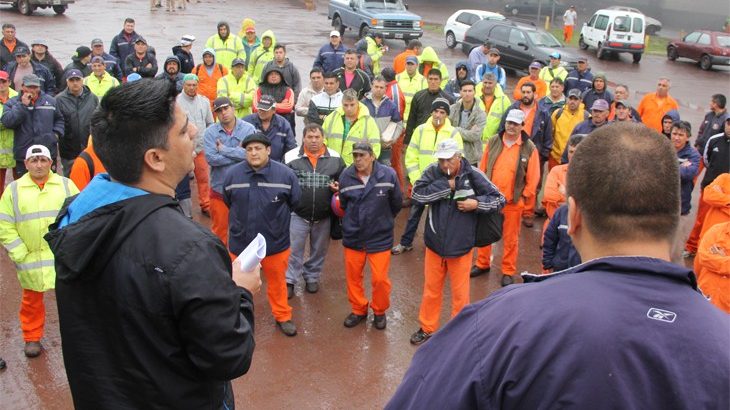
(279, 134)
(48, 85)
(580, 81)
(120, 48)
(591, 95)
(687, 174)
(329, 58)
(260, 202)
(541, 133)
(387, 109)
(41, 123)
(370, 209)
(448, 231)
(612, 333)
(558, 252)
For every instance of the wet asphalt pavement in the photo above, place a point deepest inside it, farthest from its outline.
(326, 365)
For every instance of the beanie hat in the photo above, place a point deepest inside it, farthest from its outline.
(83, 51)
(441, 103)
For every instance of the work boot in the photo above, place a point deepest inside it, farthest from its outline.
(289, 290)
(380, 321)
(353, 320)
(541, 212)
(32, 349)
(528, 221)
(288, 328)
(2, 364)
(507, 280)
(400, 248)
(312, 287)
(477, 271)
(419, 337)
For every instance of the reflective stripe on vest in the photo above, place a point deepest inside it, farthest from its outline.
(20, 217)
(14, 244)
(36, 265)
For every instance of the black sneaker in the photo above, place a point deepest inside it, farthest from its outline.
(380, 321)
(288, 328)
(312, 287)
(419, 337)
(2, 364)
(477, 271)
(353, 320)
(289, 290)
(507, 280)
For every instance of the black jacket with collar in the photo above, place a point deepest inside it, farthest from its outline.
(314, 204)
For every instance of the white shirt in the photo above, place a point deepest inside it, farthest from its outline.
(570, 17)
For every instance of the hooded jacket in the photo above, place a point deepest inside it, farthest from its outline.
(77, 64)
(558, 252)
(178, 79)
(282, 93)
(290, 74)
(248, 48)
(260, 57)
(41, 123)
(674, 115)
(53, 66)
(591, 95)
(453, 87)
(132, 271)
(208, 83)
(228, 49)
(187, 62)
(428, 55)
(77, 112)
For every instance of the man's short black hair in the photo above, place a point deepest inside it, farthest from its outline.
(313, 126)
(316, 70)
(624, 178)
(720, 100)
(557, 80)
(279, 46)
(128, 20)
(529, 84)
(331, 74)
(413, 44)
(467, 82)
(130, 120)
(684, 126)
(350, 51)
(435, 72)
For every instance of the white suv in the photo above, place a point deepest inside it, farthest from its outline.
(459, 22)
(614, 31)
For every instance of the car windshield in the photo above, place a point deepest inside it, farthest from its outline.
(385, 4)
(542, 39)
(723, 41)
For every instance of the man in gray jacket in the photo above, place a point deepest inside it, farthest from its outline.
(468, 117)
(289, 72)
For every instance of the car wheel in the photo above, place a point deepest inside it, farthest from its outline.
(364, 30)
(337, 24)
(450, 40)
(705, 62)
(600, 52)
(637, 58)
(672, 53)
(59, 9)
(24, 7)
(582, 44)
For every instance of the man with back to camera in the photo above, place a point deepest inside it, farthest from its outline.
(589, 335)
(152, 314)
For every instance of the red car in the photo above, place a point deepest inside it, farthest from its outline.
(708, 47)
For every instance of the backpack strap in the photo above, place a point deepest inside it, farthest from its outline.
(89, 162)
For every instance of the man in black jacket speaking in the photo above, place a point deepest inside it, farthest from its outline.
(152, 314)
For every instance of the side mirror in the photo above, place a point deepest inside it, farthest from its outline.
(352, 4)
(522, 44)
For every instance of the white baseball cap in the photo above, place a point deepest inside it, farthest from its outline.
(334, 33)
(516, 116)
(38, 150)
(447, 149)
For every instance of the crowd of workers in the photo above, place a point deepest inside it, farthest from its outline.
(376, 138)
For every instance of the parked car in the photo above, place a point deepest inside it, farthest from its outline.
(387, 17)
(519, 44)
(529, 7)
(708, 47)
(652, 25)
(27, 7)
(614, 31)
(459, 22)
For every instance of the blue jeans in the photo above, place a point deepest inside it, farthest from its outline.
(414, 218)
(319, 240)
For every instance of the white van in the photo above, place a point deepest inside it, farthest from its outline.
(616, 31)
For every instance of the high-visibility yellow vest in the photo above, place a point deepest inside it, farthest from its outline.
(7, 136)
(226, 51)
(240, 92)
(364, 129)
(421, 149)
(26, 211)
(410, 86)
(500, 104)
(100, 87)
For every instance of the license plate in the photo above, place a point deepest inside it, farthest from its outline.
(56, 2)
(620, 36)
(398, 35)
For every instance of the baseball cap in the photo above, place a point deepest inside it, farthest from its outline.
(555, 55)
(535, 64)
(600, 105)
(516, 116)
(38, 151)
(221, 102)
(140, 39)
(97, 42)
(73, 73)
(623, 103)
(441, 103)
(255, 137)
(446, 149)
(250, 29)
(334, 33)
(97, 59)
(21, 51)
(582, 59)
(83, 51)
(574, 92)
(31, 80)
(266, 103)
(238, 61)
(362, 148)
(4, 75)
(494, 51)
(133, 77)
(187, 39)
(412, 60)
(39, 42)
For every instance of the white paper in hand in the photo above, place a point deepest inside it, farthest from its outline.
(253, 254)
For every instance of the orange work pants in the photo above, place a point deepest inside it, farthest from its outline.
(694, 236)
(552, 163)
(435, 271)
(219, 217)
(510, 240)
(396, 162)
(529, 209)
(32, 315)
(567, 33)
(274, 267)
(202, 179)
(354, 272)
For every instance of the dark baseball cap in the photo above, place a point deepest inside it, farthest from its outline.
(362, 148)
(32, 80)
(494, 51)
(574, 92)
(73, 73)
(238, 61)
(266, 102)
(221, 102)
(21, 51)
(140, 39)
(255, 137)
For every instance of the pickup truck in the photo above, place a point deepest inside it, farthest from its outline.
(27, 7)
(387, 17)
